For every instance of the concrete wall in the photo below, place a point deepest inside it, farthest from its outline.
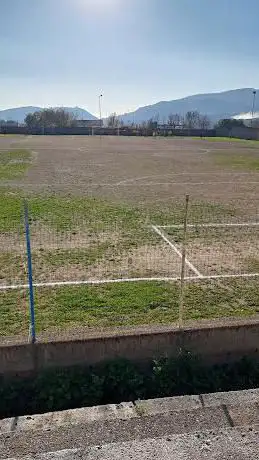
(85, 131)
(214, 343)
(240, 133)
(189, 132)
(124, 131)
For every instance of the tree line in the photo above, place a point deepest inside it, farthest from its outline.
(191, 120)
(60, 118)
(50, 118)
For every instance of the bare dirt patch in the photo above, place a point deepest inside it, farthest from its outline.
(147, 260)
(43, 237)
(221, 251)
(217, 259)
(137, 170)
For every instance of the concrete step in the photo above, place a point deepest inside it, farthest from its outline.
(228, 444)
(204, 415)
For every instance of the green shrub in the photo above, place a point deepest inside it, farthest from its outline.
(121, 380)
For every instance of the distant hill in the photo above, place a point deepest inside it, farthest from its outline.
(215, 105)
(19, 113)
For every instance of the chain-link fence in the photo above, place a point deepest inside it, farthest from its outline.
(129, 270)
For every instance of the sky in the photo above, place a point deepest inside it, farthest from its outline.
(134, 52)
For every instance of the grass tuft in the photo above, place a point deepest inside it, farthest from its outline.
(14, 164)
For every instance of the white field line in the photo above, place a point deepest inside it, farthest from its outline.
(189, 174)
(240, 224)
(113, 185)
(190, 265)
(126, 280)
(89, 282)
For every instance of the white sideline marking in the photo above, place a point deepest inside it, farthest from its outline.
(191, 184)
(89, 282)
(126, 280)
(147, 184)
(190, 265)
(241, 224)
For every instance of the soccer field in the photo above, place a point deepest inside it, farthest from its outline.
(109, 211)
(138, 170)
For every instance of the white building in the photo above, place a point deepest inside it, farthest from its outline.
(249, 118)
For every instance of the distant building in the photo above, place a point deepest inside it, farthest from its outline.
(168, 127)
(89, 123)
(248, 118)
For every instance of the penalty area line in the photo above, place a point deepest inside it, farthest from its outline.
(190, 265)
(211, 225)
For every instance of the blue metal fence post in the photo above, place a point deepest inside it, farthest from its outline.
(30, 277)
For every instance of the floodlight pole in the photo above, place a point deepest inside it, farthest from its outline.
(253, 107)
(100, 109)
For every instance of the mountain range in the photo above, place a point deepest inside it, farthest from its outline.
(216, 105)
(20, 113)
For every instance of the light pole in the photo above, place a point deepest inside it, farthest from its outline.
(253, 107)
(100, 109)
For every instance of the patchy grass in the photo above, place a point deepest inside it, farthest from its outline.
(14, 164)
(61, 257)
(65, 213)
(229, 139)
(75, 238)
(69, 213)
(225, 235)
(15, 156)
(12, 268)
(244, 161)
(252, 264)
(14, 313)
(126, 304)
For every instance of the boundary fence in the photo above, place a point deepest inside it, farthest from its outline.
(249, 133)
(181, 245)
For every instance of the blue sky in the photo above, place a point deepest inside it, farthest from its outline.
(135, 52)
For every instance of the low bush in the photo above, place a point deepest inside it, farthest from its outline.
(122, 380)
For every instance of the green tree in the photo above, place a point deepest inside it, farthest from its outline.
(229, 123)
(30, 120)
(50, 118)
